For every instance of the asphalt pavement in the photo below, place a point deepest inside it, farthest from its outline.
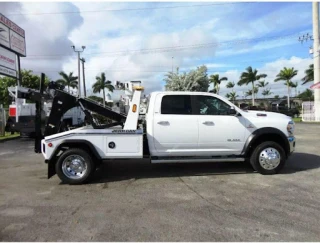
(138, 201)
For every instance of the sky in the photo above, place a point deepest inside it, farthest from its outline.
(145, 40)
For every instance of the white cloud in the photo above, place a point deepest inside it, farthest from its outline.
(110, 36)
(271, 69)
(45, 34)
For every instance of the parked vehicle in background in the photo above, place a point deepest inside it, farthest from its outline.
(279, 106)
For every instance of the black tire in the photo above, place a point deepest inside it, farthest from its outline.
(254, 158)
(87, 160)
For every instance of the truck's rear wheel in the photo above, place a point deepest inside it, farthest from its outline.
(268, 158)
(75, 166)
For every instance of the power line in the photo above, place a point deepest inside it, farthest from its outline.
(172, 48)
(147, 71)
(129, 9)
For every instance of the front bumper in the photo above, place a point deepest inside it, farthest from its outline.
(292, 143)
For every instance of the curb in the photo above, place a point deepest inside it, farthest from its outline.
(8, 139)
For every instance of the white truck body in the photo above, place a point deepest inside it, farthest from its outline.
(179, 127)
(176, 135)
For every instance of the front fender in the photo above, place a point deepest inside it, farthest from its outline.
(264, 133)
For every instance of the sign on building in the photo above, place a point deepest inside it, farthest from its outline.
(12, 36)
(8, 65)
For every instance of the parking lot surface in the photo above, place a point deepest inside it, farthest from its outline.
(138, 201)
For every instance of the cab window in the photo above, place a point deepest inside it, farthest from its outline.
(209, 105)
(176, 105)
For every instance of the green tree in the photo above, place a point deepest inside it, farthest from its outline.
(28, 80)
(294, 85)
(216, 81)
(102, 84)
(250, 93)
(230, 85)
(232, 96)
(286, 74)
(262, 84)
(195, 80)
(250, 76)
(68, 80)
(276, 96)
(6, 82)
(266, 92)
(309, 75)
(306, 95)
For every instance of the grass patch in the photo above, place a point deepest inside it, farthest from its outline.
(297, 119)
(8, 135)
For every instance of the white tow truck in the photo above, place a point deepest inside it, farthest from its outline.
(179, 127)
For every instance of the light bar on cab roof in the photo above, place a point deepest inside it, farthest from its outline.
(138, 87)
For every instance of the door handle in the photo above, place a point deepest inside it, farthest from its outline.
(208, 123)
(163, 122)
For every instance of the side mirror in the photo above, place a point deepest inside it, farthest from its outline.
(232, 111)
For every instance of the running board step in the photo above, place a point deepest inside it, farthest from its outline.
(193, 160)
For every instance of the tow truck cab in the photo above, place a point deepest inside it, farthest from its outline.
(178, 127)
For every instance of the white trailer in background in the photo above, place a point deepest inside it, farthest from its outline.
(22, 114)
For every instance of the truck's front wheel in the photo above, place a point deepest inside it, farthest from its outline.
(75, 166)
(268, 158)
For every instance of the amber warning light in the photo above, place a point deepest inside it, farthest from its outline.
(134, 108)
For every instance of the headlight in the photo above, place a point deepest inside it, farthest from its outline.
(290, 127)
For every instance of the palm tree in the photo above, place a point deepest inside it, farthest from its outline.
(102, 84)
(216, 81)
(266, 92)
(309, 75)
(286, 74)
(232, 96)
(306, 95)
(262, 84)
(230, 85)
(68, 80)
(294, 85)
(250, 93)
(250, 76)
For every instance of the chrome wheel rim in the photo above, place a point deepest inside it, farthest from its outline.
(269, 158)
(74, 167)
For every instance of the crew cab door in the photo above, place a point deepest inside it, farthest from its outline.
(175, 128)
(219, 132)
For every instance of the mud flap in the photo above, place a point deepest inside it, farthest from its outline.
(51, 168)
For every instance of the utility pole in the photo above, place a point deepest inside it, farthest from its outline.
(83, 77)
(172, 65)
(316, 58)
(79, 80)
